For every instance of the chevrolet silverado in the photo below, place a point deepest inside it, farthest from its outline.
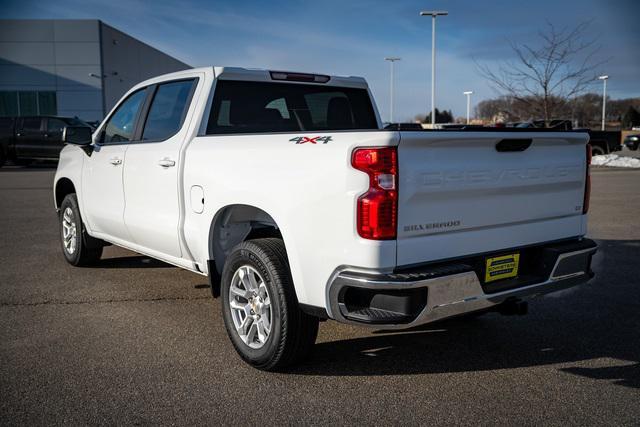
(284, 189)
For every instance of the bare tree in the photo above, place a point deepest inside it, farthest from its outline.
(544, 78)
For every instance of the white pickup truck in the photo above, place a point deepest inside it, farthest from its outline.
(286, 192)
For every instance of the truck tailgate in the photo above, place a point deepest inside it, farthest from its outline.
(459, 195)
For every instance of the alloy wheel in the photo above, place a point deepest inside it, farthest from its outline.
(250, 306)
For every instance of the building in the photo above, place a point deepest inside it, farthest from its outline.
(71, 67)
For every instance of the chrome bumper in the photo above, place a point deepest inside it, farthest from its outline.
(453, 294)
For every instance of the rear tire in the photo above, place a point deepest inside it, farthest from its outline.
(597, 150)
(260, 307)
(78, 247)
(3, 157)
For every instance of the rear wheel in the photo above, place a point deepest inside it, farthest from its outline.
(597, 150)
(3, 157)
(78, 247)
(260, 308)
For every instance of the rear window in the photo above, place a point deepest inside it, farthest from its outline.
(263, 107)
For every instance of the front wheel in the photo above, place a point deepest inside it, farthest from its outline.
(260, 308)
(74, 238)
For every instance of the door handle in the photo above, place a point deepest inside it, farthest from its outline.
(166, 163)
(18, 134)
(115, 161)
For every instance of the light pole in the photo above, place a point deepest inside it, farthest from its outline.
(433, 14)
(391, 60)
(468, 93)
(604, 97)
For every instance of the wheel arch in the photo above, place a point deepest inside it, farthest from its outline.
(602, 145)
(64, 186)
(231, 225)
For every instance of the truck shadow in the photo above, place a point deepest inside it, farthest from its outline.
(591, 331)
(135, 261)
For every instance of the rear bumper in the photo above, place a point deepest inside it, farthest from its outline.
(406, 299)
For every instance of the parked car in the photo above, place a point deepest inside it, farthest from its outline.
(286, 192)
(25, 139)
(602, 142)
(632, 141)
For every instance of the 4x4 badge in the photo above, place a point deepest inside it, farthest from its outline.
(314, 140)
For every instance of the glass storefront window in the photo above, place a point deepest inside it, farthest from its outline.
(28, 103)
(47, 104)
(8, 104)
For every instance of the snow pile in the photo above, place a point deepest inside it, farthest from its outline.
(615, 161)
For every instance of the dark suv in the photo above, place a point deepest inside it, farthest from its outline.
(25, 139)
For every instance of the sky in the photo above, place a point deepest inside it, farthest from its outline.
(352, 37)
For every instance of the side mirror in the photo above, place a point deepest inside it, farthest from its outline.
(77, 135)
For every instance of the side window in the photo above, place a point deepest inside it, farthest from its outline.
(168, 109)
(121, 125)
(55, 125)
(31, 123)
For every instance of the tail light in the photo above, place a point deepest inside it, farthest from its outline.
(377, 212)
(587, 183)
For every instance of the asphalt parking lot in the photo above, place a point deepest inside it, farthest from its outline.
(136, 341)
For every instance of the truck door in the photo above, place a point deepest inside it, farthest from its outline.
(29, 137)
(151, 172)
(52, 138)
(102, 174)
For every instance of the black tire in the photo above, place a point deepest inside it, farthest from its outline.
(292, 332)
(79, 249)
(3, 157)
(597, 151)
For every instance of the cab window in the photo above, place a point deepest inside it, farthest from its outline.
(121, 125)
(168, 110)
(263, 107)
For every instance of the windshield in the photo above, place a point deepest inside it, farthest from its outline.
(262, 107)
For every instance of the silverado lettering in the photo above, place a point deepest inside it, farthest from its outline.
(431, 226)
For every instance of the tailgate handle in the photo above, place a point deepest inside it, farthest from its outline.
(513, 144)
